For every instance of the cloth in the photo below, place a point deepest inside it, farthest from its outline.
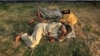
(49, 14)
(68, 28)
(71, 34)
(69, 19)
(53, 28)
(34, 39)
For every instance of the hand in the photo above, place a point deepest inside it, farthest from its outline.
(31, 21)
(51, 39)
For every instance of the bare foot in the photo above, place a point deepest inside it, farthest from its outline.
(18, 37)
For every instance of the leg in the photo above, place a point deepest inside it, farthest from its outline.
(39, 14)
(38, 33)
(18, 37)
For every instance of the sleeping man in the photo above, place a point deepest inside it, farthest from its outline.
(34, 39)
(54, 30)
(58, 31)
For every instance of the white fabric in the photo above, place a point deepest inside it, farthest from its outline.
(34, 39)
(53, 28)
(71, 34)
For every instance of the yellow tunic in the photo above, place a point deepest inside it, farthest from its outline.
(69, 19)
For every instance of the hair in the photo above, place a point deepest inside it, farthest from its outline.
(68, 28)
(65, 11)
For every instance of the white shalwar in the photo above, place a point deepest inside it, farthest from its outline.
(34, 39)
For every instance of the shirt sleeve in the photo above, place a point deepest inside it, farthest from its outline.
(53, 26)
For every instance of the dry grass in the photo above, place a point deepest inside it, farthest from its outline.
(14, 17)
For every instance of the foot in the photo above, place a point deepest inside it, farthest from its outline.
(18, 37)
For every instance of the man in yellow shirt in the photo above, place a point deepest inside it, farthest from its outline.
(70, 19)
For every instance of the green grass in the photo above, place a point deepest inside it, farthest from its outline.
(14, 19)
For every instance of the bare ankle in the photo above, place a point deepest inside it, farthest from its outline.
(18, 37)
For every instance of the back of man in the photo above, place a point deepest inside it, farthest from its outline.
(72, 19)
(53, 28)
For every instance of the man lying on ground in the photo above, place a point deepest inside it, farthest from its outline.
(34, 39)
(58, 31)
(70, 19)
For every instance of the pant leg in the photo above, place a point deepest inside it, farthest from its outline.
(43, 12)
(38, 33)
(26, 39)
(36, 36)
(34, 39)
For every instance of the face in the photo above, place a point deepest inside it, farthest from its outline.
(65, 11)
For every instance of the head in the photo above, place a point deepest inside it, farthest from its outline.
(65, 11)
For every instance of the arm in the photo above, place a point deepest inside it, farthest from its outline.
(64, 31)
(33, 20)
(38, 14)
(51, 39)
